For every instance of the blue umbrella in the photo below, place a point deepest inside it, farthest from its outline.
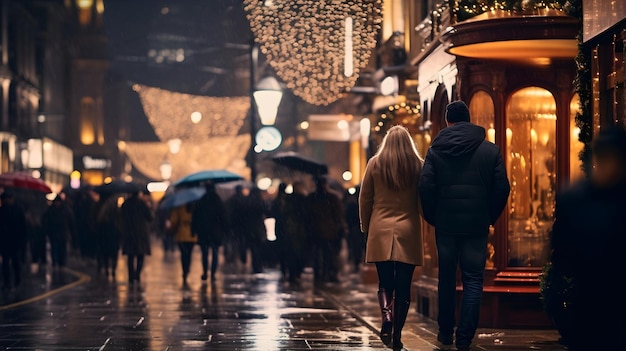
(182, 197)
(214, 176)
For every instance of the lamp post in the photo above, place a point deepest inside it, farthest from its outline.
(265, 97)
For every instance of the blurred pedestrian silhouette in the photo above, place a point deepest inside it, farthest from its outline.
(247, 215)
(13, 239)
(390, 217)
(291, 231)
(463, 189)
(83, 206)
(180, 225)
(136, 216)
(108, 236)
(328, 226)
(588, 241)
(209, 223)
(355, 239)
(277, 210)
(58, 222)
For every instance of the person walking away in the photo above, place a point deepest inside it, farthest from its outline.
(390, 218)
(327, 224)
(278, 210)
(588, 241)
(136, 217)
(58, 222)
(108, 233)
(463, 190)
(254, 212)
(235, 207)
(180, 225)
(13, 239)
(209, 223)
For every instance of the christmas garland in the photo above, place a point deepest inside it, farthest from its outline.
(465, 9)
(582, 85)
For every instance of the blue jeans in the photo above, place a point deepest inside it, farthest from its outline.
(470, 253)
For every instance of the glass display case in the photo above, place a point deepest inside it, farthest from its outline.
(530, 162)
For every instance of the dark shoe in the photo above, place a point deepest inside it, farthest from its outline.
(400, 311)
(385, 301)
(204, 277)
(463, 348)
(445, 339)
(398, 347)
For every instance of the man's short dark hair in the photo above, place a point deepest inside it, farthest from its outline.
(457, 111)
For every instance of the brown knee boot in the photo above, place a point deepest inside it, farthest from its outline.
(400, 311)
(385, 301)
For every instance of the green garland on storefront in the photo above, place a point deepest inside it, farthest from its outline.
(582, 86)
(465, 9)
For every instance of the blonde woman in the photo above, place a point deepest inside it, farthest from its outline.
(390, 217)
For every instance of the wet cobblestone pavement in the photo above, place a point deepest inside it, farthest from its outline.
(75, 308)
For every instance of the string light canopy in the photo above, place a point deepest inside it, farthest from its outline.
(196, 133)
(189, 117)
(316, 47)
(212, 153)
(404, 113)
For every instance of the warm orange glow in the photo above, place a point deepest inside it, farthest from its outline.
(537, 51)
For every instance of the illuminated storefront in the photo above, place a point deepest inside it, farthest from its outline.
(518, 86)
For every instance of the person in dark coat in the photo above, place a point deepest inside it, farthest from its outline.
(136, 216)
(327, 224)
(277, 211)
(463, 190)
(247, 215)
(58, 222)
(588, 241)
(209, 222)
(13, 239)
(107, 226)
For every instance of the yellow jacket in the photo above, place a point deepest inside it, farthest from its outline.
(180, 219)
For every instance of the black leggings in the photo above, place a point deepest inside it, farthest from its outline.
(395, 276)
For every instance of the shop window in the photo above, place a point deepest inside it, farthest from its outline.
(531, 160)
(87, 121)
(575, 146)
(482, 112)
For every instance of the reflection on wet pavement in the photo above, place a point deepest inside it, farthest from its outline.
(77, 309)
(239, 311)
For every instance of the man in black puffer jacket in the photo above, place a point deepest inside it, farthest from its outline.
(463, 189)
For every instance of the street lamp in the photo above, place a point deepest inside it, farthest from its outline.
(267, 96)
(264, 101)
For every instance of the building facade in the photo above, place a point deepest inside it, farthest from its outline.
(519, 86)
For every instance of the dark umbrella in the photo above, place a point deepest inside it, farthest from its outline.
(21, 180)
(214, 176)
(182, 197)
(298, 162)
(117, 187)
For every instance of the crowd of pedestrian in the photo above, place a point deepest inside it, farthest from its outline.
(460, 188)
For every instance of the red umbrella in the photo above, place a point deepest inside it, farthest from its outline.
(23, 181)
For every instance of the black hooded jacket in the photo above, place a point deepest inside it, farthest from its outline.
(463, 186)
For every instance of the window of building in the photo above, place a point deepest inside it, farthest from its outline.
(531, 160)
(482, 113)
(87, 121)
(575, 146)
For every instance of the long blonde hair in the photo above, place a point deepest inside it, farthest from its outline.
(397, 159)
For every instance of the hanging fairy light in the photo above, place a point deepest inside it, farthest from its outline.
(168, 112)
(317, 48)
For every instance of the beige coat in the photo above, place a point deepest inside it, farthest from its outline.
(391, 220)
